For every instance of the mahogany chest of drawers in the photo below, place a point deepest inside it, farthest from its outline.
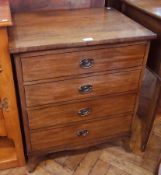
(79, 75)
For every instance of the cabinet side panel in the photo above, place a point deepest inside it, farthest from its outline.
(7, 89)
(17, 61)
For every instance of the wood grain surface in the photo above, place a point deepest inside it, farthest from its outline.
(149, 103)
(153, 23)
(153, 7)
(148, 13)
(67, 138)
(52, 65)
(8, 154)
(98, 107)
(71, 29)
(5, 14)
(2, 125)
(108, 159)
(29, 5)
(68, 90)
(7, 91)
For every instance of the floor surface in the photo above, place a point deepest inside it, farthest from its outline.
(105, 160)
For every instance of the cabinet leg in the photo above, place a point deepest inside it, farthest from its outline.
(158, 170)
(33, 162)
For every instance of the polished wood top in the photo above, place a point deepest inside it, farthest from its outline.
(61, 29)
(5, 15)
(152, 7)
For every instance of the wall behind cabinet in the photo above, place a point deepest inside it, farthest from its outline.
(29, 5)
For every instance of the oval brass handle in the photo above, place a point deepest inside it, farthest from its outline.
(86, 63)
(86, 89)
(84, 112)
(1, 69)
(82, 133)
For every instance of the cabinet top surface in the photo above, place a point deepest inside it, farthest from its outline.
(152, 7)
(5, 16)
(63, 29)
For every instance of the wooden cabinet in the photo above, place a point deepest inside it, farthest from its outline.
(79, 78)
(158, 171)
(148, 13)
(11, 149)
(2, 125)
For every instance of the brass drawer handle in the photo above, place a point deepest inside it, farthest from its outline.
(82, 133)
(84, 112)
(86, 89)
(4, 104)
(86, 63)
(1, 69)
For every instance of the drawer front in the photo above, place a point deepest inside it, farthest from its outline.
(74, 89)
(69, 136)
(74, 63)
(81, 111)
